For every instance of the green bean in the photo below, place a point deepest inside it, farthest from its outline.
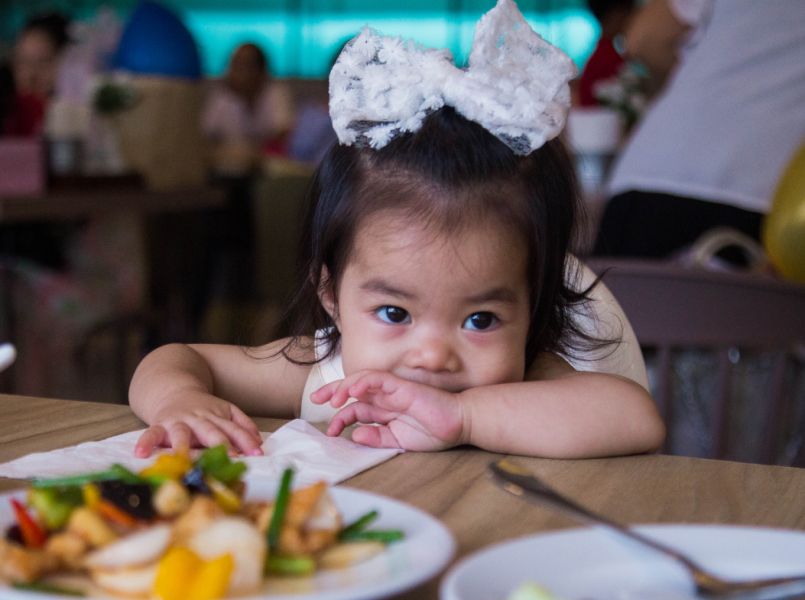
(40, 587)
(385, 536)
(290, 565)
(114, 472)
(280, 506)
(359, 524)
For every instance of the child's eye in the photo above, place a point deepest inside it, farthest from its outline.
(480, 321)
(393, 314)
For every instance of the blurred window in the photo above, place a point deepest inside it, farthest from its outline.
(301, 36)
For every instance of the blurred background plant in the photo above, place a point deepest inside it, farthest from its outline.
(626, 93)
(113, 95)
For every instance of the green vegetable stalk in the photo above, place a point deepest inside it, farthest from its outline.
(280, 506)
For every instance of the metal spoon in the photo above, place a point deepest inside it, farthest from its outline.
(520, 482)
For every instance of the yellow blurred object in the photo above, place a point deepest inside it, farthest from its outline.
(784, 227)
(173, 466)
(91, 495)
(211, 580)
(176, 570)
(182, 574)
(225, 497)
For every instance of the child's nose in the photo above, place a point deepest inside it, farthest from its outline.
(434, 353)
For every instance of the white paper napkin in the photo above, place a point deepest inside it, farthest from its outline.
(297, 444)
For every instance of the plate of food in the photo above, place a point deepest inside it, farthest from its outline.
(197, 528)
(596, 564)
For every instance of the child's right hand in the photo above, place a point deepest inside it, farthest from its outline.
(200, 419)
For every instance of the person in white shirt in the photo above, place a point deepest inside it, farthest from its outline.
(712, 147)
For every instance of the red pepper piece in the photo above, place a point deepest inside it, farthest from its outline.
(32, 533)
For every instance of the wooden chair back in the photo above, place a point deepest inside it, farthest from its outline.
(673, 308)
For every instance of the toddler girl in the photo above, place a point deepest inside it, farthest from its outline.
(437, 307)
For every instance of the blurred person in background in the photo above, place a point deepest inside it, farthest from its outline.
(711, 148)
(33, 73)
(27, 84)
(606, 60)
(247, 112)
(247, 115)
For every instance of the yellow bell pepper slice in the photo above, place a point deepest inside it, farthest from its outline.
(212, 579)
(91, 495)
(173, 466)
(175, 572)
(182, 574)
(224, 496)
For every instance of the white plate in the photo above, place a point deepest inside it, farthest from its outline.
(597, 564)
(426, 549)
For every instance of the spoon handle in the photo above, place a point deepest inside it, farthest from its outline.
(519, 482)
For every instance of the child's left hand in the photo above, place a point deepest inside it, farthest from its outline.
(409, 415)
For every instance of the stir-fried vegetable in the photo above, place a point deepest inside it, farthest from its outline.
(53, 505)
(183, 574)
(385, 536)
(280, 506)
(359, 524)
(171, 466)
(180, 529)
(133, 499)
(357, 531)
(298, 566)
(32, 533)
(114, 472)
(47, 588)
(215, 462)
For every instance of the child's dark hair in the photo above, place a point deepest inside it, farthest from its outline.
(601, 9)
(449, 174)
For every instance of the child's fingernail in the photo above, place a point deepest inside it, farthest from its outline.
(256, 452)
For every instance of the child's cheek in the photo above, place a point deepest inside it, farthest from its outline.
(494, 361)
(368, 354)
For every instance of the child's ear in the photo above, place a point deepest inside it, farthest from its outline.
(326, 293)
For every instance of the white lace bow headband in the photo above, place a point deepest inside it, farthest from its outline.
(516, 85)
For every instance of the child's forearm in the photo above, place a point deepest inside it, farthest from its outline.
(165, 373)
(576, 416)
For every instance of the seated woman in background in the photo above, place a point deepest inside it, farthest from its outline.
(31, 79)
(247, 112)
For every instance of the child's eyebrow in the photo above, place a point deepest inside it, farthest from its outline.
(383, 287)
(498, 294)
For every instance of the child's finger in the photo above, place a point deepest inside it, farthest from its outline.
(151, 438)
(381, 391)
(327, 393)
(375, 436)
(358, 412)
(180, 436)
(208, 434)
(242, 419)
(241, 439)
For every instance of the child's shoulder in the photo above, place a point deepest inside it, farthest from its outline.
(298, 351)
(547, 365)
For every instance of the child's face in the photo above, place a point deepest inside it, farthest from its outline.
(448, 311)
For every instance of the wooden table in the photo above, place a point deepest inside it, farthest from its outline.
(453, 485)
(74, 202)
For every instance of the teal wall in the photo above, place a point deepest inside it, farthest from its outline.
(302, 36)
